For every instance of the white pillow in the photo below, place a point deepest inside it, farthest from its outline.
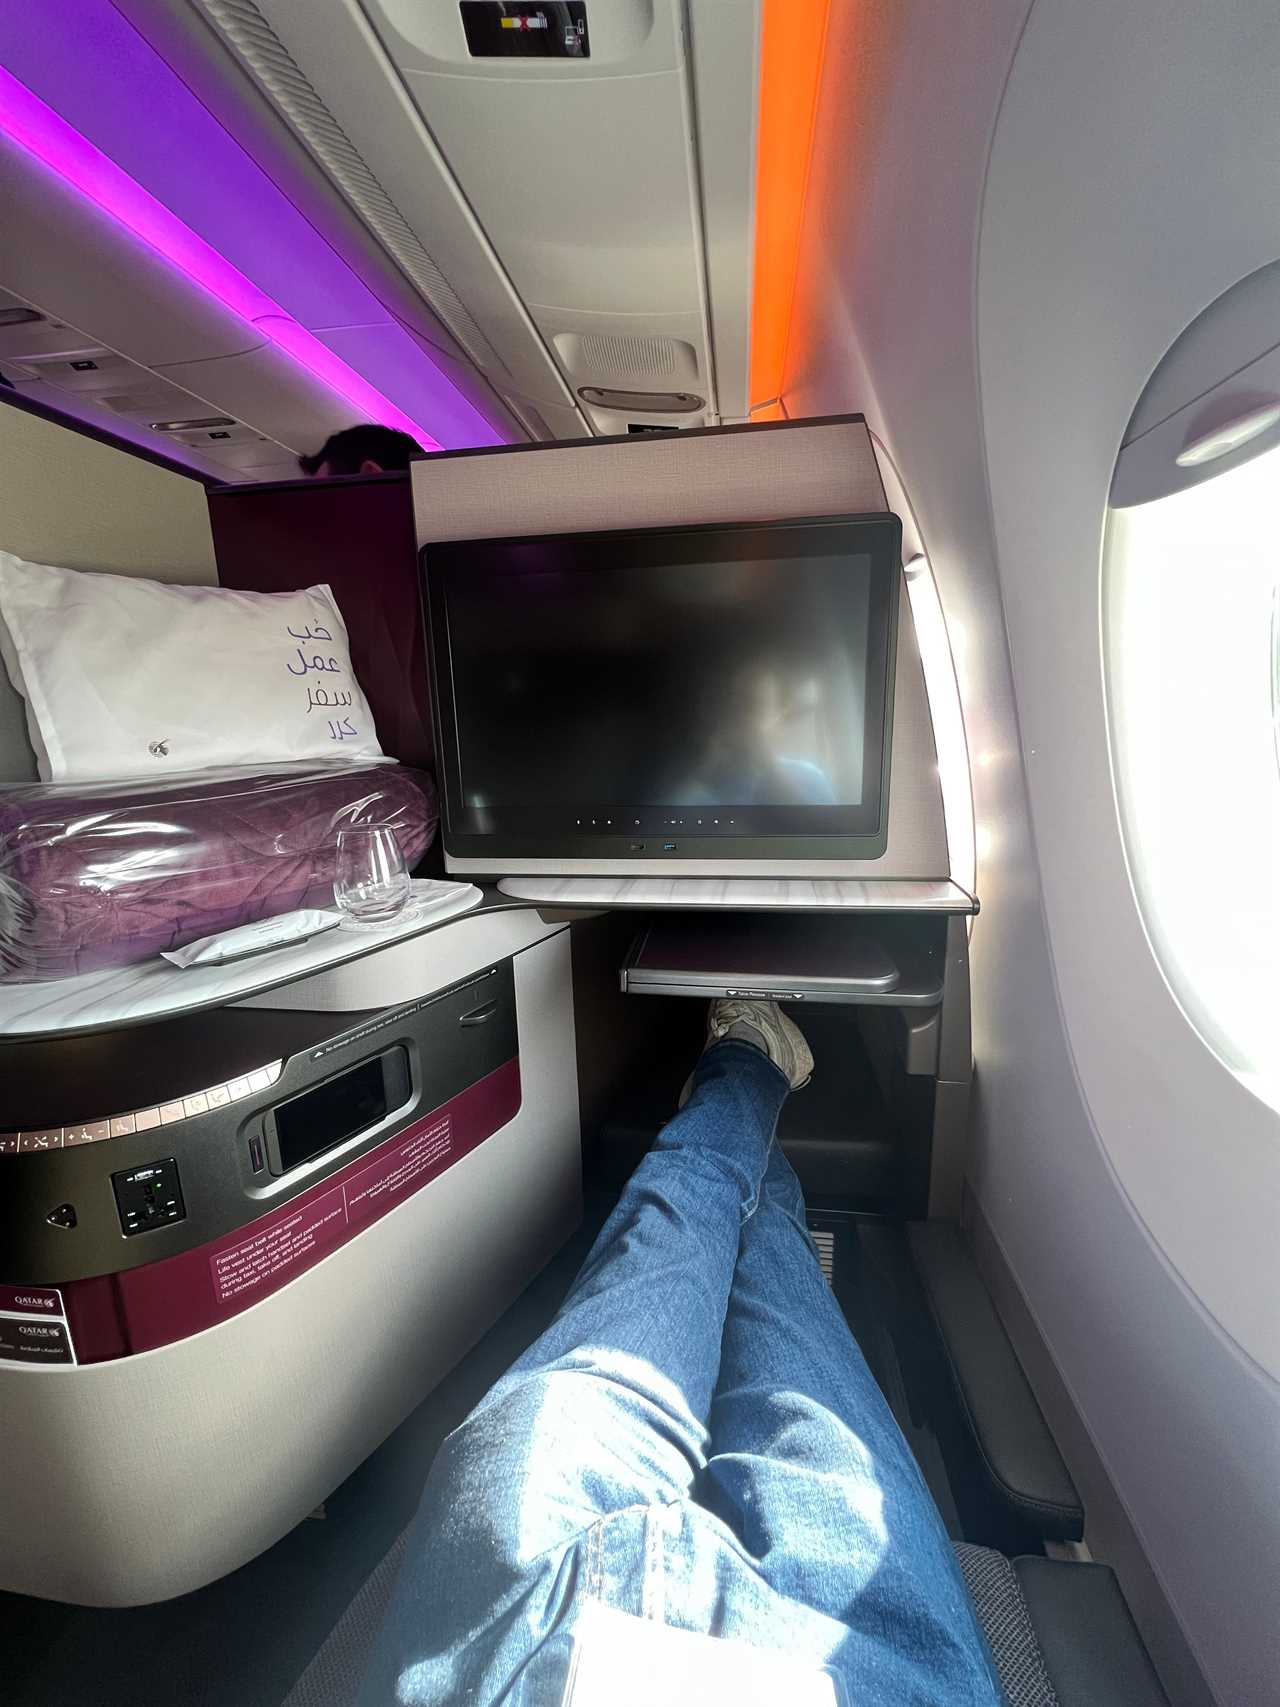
(126, 678)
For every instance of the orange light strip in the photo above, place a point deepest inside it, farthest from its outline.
(793, 36)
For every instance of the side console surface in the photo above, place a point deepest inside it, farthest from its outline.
(237, 1250)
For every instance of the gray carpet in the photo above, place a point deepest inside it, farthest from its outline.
(333, 1678)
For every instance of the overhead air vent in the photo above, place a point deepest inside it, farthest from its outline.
(643, 402)
(245, 30)
(148, 401)
(608, 355)
(93, 369)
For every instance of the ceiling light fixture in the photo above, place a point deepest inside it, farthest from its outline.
(27, 121)
(793, 35)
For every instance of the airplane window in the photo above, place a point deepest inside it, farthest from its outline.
(1192, 642)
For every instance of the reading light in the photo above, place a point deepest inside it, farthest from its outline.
(1208, 447)
(192, 426)
(41, 133)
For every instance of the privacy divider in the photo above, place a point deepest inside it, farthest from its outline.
(356, 535)
(79, 499)
(716, 474)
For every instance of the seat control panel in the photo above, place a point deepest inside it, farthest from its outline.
(149, 1196)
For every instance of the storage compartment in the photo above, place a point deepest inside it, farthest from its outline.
(860, 1136)
(814, 957)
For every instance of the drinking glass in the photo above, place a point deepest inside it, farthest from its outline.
(371, 885)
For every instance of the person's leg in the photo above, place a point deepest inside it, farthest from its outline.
(605, 1413)
(810, 1471)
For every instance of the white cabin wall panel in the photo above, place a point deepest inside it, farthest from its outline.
(386, 354)
(185, 39)
(548, 420)
(1172, 178)
(581, 172)
(1207, 178)
(1188, 1430)
(74, 502)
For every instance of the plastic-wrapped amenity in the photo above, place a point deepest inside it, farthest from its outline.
(112, 873)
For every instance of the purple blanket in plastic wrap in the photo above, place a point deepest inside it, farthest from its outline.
(108, 874)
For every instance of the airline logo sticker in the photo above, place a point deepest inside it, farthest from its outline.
(33, 1327)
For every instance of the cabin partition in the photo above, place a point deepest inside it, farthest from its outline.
(356, 536)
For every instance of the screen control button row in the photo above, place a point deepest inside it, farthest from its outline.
(141, 1119)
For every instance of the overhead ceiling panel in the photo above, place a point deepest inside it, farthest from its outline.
(328, 76)
(182, 154)
(583, 173)
(563, 201)
(182, 184)
(579, 169)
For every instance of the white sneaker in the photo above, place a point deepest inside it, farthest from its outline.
(764, 1025)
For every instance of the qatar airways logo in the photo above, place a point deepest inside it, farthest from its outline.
(33, 1301)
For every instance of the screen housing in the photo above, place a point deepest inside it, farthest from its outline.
(340, 1108)
(812, 833)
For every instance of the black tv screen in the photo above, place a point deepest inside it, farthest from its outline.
(718, 692)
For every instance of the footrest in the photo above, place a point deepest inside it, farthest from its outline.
(1090, 1643)
(1060, 1633)
(1017, 1453)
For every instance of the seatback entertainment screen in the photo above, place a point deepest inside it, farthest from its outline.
(665, 692)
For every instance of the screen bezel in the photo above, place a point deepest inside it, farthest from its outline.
(862, 833)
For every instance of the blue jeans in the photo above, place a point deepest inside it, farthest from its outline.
(696, 1440)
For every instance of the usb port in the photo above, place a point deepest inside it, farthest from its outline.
(668, 847)
(255, 1155)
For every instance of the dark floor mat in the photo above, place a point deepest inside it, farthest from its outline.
(876, 1288)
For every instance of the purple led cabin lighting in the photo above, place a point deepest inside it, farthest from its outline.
(37, 129)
